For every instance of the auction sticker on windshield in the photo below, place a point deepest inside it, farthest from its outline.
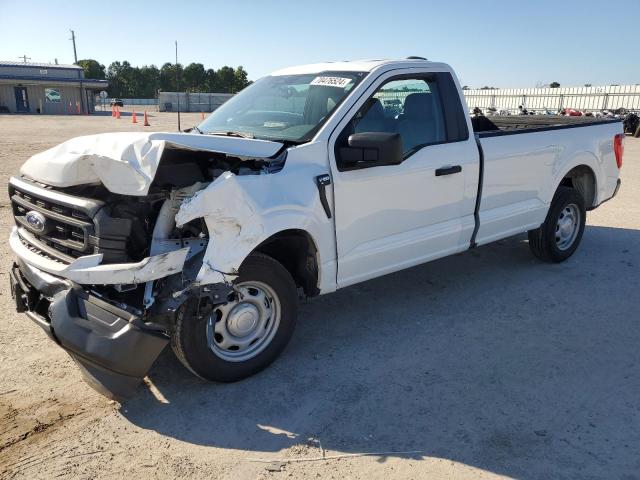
(331, 81)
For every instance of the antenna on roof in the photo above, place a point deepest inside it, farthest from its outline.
(415, 57)
(178, 85)
(25, 58)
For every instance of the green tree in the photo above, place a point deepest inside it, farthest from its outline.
(116, 81)
(168, 77)
(227, 79)
(132, 83)
(554, 85)
(241, 79)
(194, 77)
(92, 69)
(149, 81)
(212, 81)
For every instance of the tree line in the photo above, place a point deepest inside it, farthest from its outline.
(127, 81)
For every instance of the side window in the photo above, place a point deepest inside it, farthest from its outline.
(410, 107)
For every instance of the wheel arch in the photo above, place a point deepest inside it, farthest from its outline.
(581, 171)
(583, 179)
(297, 251)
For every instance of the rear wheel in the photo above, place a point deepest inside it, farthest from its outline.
(560, 234)
(245, 334)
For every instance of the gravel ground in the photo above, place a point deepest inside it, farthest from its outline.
(484, 364)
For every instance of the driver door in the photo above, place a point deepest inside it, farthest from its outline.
(390, 217)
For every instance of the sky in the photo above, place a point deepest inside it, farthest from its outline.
(505, 44)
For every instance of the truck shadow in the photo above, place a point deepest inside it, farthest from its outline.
(489, 358)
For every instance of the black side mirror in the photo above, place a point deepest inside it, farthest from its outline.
(371, 149)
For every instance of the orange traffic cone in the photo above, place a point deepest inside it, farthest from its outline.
(146, 120)
(133, 117)
(202, 115)
(78, 107)
(117, 113)
(113, 111)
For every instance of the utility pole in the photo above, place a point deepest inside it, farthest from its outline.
(73, 39)
(178, 85)
(25, 58)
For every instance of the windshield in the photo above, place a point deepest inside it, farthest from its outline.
(283, 108)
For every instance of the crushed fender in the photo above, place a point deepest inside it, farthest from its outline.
(234, 223)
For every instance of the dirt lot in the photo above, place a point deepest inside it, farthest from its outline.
(485, 364)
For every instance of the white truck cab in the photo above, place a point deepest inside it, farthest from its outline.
(313, 178)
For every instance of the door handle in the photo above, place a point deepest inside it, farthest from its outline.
(448, 170)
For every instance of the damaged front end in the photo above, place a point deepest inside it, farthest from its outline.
(113, 345)
(106, 274)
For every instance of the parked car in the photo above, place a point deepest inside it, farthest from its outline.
(128, 242)
(117, 102)
(52, 95)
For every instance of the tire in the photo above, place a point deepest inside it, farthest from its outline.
(552, 241)
(205, 345)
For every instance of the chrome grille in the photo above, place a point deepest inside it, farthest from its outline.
(68, 224)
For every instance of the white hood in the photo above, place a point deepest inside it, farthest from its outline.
(126, 163)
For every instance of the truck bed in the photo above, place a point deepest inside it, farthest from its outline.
(514, 124)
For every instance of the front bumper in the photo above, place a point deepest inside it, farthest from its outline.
(113, 347)
(89, 270)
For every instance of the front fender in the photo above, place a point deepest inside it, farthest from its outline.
(243, 211)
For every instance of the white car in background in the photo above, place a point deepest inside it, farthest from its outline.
(52, 95)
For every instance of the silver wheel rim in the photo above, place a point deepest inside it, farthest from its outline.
(240, 329)
(567, 226)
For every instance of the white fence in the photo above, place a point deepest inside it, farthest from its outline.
(168, 101)
(143, 102)
(191, 102)
(579, 98)
(139, 101)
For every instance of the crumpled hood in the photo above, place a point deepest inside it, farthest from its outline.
(126, 163)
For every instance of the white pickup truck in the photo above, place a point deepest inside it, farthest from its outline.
(312, 179)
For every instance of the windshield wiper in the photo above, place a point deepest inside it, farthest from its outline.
(196, 129)
(232, 134)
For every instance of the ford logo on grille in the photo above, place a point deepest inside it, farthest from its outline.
(36, 221)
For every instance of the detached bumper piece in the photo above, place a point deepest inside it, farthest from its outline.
(111, 346)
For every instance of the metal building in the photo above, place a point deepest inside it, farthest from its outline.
(46, 88)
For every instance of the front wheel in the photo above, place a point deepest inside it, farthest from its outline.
(244, 335)
(560, 234)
